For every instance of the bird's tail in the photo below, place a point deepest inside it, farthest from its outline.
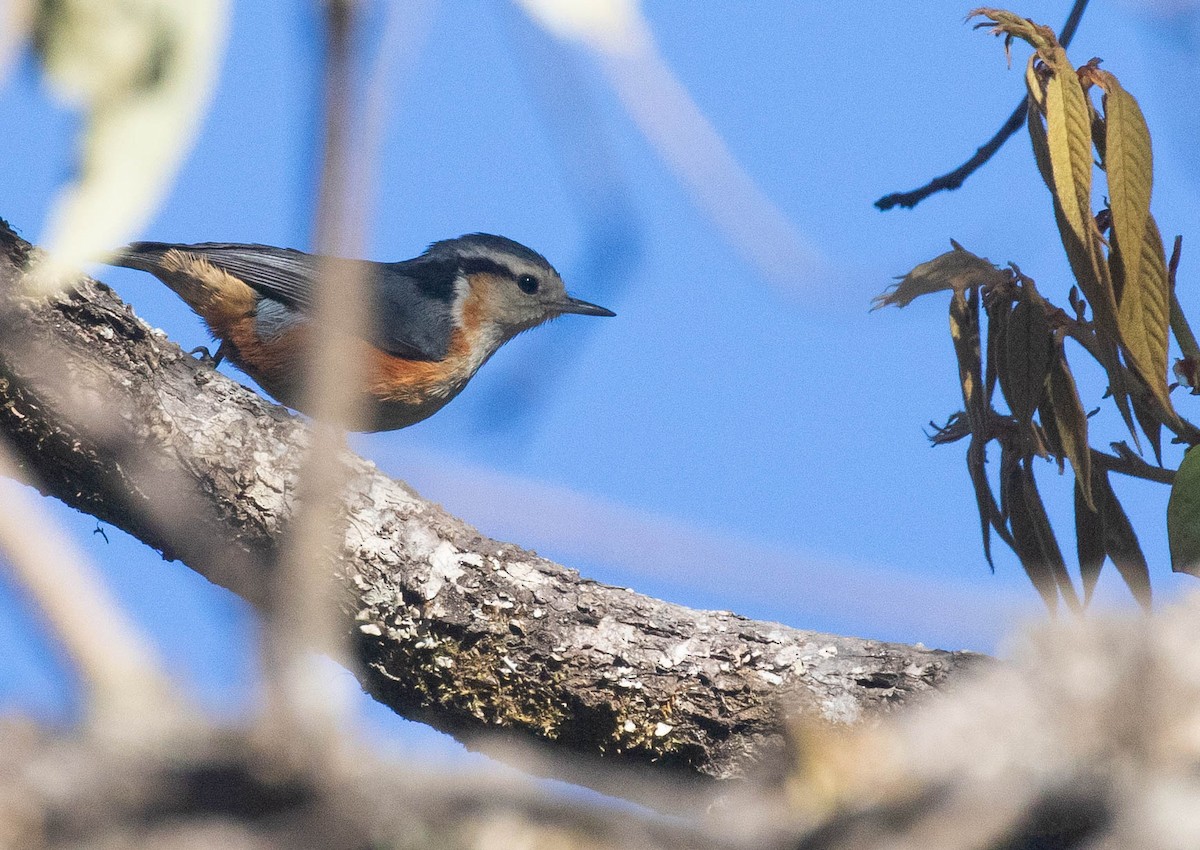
(216, 295)
(143, 256)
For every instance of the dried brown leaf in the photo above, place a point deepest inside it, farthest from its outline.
(1028, 353)
(964, 330)
(1089, 541)
(1121, 543)
(956, 269)
(1070, 420)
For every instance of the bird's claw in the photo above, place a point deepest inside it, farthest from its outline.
(207, 357)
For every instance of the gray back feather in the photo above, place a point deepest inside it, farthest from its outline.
(412, 301)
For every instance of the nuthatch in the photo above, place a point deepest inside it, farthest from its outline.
(435, 319)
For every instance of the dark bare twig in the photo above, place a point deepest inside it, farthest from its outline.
(958, 176)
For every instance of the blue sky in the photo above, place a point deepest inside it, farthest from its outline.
(728, 441)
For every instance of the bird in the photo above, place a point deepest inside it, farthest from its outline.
(434, 319)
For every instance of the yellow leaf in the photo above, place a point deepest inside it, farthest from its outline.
(1063, 150)
(1144, 315)
(1137, 260)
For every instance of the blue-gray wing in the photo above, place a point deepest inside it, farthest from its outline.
(412, 315)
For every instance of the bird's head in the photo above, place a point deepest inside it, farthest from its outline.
(507, 286)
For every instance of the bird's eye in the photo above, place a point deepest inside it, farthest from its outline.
(528, 284)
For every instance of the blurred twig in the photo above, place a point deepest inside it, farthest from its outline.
(127, 691)
(954, 179)
(302, 617)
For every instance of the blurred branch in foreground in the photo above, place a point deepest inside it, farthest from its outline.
(451, 628)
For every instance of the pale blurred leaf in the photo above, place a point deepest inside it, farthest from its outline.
(610, 25)
(142, 71)
(16, 23)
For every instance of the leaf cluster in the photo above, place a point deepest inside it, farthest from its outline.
(1123, 311)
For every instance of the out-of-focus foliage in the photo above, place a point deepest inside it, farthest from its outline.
(142, 72)
(1122, 313)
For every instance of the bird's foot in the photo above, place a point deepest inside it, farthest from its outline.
(207, 357)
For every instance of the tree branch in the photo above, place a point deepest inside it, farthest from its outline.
(468, 634)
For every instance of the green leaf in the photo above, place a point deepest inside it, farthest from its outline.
(1033, 538)
(1070, 420)
(1183, 516)
(1069, 139)
(1027, 349)
(1013, 25)
(1050, 550)
(1130, 167)
(958, 269)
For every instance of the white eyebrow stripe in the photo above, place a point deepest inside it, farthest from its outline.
(462, 288)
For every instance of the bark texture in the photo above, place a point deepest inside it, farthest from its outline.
(450, 627)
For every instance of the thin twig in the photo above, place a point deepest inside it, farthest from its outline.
(955, 178)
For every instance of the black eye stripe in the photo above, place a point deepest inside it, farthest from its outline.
(485, 265)
(477, 265)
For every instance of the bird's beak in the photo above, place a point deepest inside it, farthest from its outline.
(583, 308)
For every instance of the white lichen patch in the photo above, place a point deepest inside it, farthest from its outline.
(690, 648)
(417, 541)
(610, 636)
(769, 677)
(789, 656)
(372, 548)
(525, 574)
(444, 566)
(842, 709)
